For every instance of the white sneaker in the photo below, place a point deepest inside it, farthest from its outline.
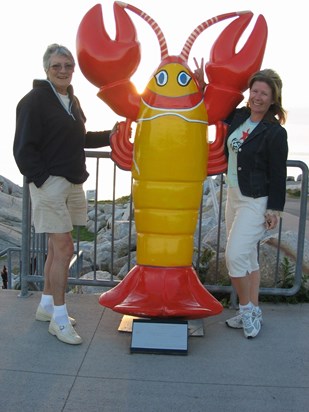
(65, 333)
(258, 313)
(44, 316)
(251, 324)
(236, 321)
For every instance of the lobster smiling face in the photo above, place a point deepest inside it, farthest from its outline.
(169, 156)
(172, 86)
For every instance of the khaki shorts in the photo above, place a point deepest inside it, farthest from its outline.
(58, 205)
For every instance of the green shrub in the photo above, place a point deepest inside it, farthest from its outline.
(287, 282)
(84, 234)
(294, 193)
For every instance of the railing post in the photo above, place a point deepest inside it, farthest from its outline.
(25, 242)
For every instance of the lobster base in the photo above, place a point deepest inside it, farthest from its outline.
(161, 292)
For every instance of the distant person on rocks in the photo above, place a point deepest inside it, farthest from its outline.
(4, 275)
(49, 144)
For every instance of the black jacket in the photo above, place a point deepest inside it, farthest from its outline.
(261, 159)
(49, 140)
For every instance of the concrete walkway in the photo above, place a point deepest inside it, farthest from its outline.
(222, 371)
(291, 216)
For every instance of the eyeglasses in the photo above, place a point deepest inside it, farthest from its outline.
(58, 67)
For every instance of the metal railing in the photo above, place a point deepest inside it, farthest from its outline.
(34, 247)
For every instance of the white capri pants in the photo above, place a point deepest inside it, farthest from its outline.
(245, 226)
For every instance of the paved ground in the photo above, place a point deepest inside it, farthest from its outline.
(222, 370)
(291, 216)
(292, 206)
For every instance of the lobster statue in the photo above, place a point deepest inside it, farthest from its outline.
(170, 157)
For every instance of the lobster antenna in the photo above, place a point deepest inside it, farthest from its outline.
(153, 25)
(199, 29)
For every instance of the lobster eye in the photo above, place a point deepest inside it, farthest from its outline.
(183, 78)
(161, 78)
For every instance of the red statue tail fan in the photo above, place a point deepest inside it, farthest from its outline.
(161, 292)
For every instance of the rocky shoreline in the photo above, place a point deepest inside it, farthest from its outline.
(11, 231)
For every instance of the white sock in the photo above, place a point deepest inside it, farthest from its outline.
(60, 315)
(47, 302)
(256, 308)
(248, 306)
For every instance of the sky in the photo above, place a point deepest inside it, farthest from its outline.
(28, 27)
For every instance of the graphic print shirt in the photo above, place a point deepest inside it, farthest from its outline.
(234, 142)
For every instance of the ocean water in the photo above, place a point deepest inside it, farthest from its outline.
(298, 140)
(295, 171)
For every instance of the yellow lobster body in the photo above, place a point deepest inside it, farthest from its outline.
(169, 168)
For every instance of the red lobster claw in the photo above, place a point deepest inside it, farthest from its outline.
(228, 73)
(102, 60)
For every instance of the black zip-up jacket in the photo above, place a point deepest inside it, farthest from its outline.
(49, 140)
(261, 159)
